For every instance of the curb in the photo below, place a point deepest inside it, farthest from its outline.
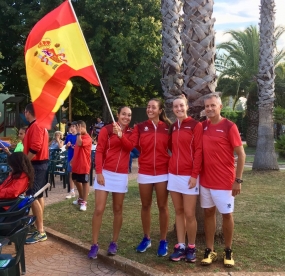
(134, 268)
(119, 262)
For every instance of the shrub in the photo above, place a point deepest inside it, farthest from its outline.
(280, 145)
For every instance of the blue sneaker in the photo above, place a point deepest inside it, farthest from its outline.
(113, 248)
(144, 245)
(191, 254)
(162, 248)
(178, 254)
(93, 251)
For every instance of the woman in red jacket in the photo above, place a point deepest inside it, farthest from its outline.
(21, 177)
(183, 182)
(151, 138)
(112, 167)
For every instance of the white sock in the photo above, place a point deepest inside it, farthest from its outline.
(181, 245)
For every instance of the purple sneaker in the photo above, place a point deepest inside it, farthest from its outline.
(112, 250)
(93, 251)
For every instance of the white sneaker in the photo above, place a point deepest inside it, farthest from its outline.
(70, 195)
(83, 207)
(78, 201)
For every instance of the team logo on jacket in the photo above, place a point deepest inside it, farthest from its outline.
(146, 128)
(220, 130)
(174, 128)
(205, 128)
(187, 127)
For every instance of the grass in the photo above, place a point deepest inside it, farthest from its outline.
(259, 227)
(250, 152)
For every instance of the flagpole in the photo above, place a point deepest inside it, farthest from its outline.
(69, 1)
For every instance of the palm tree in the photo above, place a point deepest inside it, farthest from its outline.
(199, 50)
(265, 157)
(238, 64)
(171, 63)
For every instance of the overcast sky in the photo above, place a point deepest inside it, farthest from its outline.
(239, 14)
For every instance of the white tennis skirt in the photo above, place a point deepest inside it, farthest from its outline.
(179, 184)
(151, 179)
(114, 182)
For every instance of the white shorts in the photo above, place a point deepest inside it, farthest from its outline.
(179, 184)
(151, 179)
(114, 182)
(222, 199)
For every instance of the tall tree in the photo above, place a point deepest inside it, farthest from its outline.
(265, 157)
(124, 39)
(238, 64)
(171, 62)
(199, 51)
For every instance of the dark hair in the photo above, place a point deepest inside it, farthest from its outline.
(30, 108)
(82, 123)
(162, 115)
(23, 128)
(20, 163)
(121, 107)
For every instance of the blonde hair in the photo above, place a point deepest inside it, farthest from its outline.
(58, 132)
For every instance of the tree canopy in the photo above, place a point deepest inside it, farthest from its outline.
(124, 38)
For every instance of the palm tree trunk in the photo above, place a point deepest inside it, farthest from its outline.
(199, 50)
(172, 53)
(265, 157)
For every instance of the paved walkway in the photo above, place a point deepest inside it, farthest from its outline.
(56, 258)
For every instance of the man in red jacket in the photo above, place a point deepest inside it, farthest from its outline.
(220, 181)
(36, 148)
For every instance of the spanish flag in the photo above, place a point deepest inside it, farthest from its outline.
(55, 51)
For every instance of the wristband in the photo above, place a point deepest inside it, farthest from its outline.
(239, 181)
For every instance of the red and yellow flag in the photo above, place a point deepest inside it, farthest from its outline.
(55, 51)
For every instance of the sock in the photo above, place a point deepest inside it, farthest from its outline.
(72, 190)
(181, 245)
(191, 245)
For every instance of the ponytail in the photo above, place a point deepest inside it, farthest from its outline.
(164, 118)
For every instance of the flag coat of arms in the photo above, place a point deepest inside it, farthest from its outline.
(55, 51)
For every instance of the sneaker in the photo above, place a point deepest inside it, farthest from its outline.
(78, 201)
(113, 248)
(93, 251)
(190, 254)
(144, 245)
(37, 237)
(178, 254)
(162, 248)
(70, 195)
(83, 206)
(209, 257)
(32, 229)
(228, 258)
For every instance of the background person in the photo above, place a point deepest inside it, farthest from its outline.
(97, 127)
(112, 158)
(69, 143)
(81, 164)
(19, 147)
(20, 179)
(36, 148)
(152, 138)
(56, 142)
(219, 179)
(183, 182)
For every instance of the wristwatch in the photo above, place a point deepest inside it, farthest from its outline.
(238, 180)
(78, 133)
